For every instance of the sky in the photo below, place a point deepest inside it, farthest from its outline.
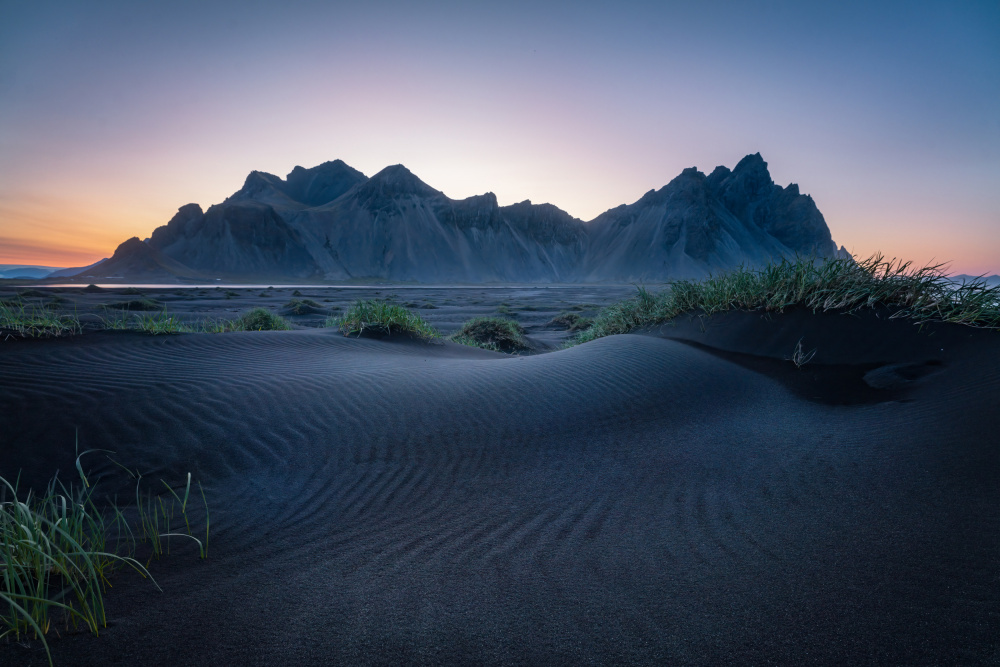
(115, 114)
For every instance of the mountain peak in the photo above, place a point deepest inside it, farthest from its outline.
(396, 181)
(321, 184)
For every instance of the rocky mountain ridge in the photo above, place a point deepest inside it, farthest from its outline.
(332, 223)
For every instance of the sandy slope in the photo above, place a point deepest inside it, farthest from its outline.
(636, 499)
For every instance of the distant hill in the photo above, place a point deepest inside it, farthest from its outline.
(333, 223)
(31, 271)
(992, 281)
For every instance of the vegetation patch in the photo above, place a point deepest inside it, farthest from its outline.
(58, 550)
(258, 319)
(380, 316)
(93, 288)
(151, 323)
(302, 307)
(492, 333)
(843, 285)
(131, 291)
(21, 322)
(136, 304)
(570, 321)
(32, 294)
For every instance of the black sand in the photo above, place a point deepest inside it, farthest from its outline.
(684, 496)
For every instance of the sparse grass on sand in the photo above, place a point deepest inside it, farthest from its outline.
(58, 550)
(36, 322)
(257, 319)
(921, 295)
(571, 321)
(136, 304)
(378, 315)
(492, 333)
(302, 306)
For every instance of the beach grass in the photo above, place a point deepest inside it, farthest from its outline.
(492, 333)
(135, 304)
(58, 550)
(919, 294)
(571, 321)
(378, 315)
(258, 319)
(22, 321)
(302, 306)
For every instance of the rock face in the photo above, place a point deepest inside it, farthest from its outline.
(331, 222)
(696, 225)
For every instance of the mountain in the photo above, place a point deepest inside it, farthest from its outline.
(137, 261)
(333, 223)
(696, 225)
(31, 271)
(78, 271)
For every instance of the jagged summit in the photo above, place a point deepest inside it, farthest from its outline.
(303, 188)
(331, 222)
(396, 181)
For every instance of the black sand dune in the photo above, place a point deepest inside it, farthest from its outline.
(682, 497)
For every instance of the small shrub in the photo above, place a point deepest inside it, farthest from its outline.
(93, 288)
(296, 293)
(31, 294)
(229, 294)
(131, 291)
(380, 316)
(492, 333)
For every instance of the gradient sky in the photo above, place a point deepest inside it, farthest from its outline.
(114, 114)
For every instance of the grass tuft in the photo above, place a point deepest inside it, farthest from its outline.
(921, 295)
(258, 319)
(302, 306)
(571, 321)
(492, 333)
(136, 305)
(37, 322)
(58, 550)
(378, 315)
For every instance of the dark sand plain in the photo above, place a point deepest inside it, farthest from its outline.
(683, 495)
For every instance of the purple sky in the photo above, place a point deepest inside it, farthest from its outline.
(114, 114)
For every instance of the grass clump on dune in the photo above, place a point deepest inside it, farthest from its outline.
(492, 333)
(58, 550)
(571, 321)
(135, 304)
(380, 316)
(151, 323)
(18, 321)
(258, 319)
(922, 295)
